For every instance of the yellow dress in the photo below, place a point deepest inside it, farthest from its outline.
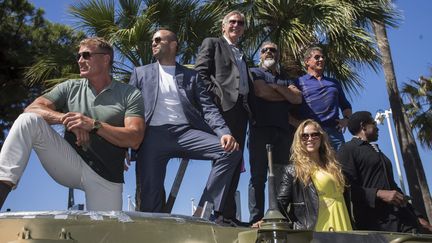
(332, 213)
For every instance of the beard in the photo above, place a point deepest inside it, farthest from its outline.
(269, 63)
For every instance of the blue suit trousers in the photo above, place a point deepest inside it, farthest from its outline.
(161, 143)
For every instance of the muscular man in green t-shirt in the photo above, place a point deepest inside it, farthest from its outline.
(102, 117)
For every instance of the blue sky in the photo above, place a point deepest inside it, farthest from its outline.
(412, 56)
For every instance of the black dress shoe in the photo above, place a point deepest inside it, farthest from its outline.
(236, 223)
(4, 191)
(220, 220)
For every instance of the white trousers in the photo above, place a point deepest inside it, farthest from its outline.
(60, 160)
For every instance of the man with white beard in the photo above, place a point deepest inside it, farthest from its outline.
(274, 98)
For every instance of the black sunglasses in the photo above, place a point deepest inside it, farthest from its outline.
(239, 22)
(313, 136)
(86, 55)
(157, 40)
(265, 49)
(317, 57)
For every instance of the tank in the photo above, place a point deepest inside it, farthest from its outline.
(124, 227)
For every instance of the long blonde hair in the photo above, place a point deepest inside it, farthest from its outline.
(304, 166)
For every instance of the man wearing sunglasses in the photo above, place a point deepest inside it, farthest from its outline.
(323, 97)
(274, 97)
(222, 66)
(377, 202)
(182, 122)
(102, 117)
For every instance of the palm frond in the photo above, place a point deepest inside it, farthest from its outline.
(417, 95)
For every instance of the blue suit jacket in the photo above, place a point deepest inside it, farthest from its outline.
(197, 103)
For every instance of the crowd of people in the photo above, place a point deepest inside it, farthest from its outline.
(170, 111)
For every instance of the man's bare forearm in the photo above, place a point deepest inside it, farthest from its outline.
(290, 93)
(46, 109)
(130, 136)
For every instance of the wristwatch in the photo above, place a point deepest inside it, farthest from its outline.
(96, 125)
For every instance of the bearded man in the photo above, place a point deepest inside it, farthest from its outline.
(274, 98)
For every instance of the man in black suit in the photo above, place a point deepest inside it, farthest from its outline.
(181, 122)
(222, 66)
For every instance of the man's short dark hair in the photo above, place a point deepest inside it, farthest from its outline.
(357, 119)
(171, 36)
(308, 53)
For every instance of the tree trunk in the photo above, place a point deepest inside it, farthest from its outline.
(416, 178)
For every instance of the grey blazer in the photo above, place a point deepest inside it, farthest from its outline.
(197, 103)
(218, 69)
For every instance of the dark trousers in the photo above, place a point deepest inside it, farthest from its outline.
(335, 136)
(236, 120)
(386, 218)
(161, 143)
(281, 140)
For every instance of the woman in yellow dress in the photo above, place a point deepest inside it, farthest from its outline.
(311, 191)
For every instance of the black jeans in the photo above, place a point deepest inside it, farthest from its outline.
(237, 120)
(281, 140)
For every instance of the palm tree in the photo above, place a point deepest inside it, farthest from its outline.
(130, 24)
(57, 62)
(417, 182)
(295, 25)
(418, 94)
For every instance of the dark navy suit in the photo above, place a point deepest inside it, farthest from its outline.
(200, 139)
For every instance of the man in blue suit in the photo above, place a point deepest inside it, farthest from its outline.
(181, 121)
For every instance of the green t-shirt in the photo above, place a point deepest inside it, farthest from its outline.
(112, 105)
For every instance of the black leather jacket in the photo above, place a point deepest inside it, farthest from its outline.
(298, 202)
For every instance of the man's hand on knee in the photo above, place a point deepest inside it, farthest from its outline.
(229, 143)
(74, 120)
